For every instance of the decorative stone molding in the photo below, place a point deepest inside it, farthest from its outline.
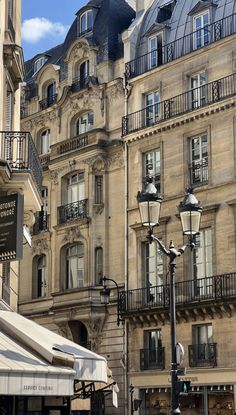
(72, 234)
(39, 246)
(99, 165)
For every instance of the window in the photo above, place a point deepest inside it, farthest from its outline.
(51, 93)
(197, 85)
(6, 269)
(155, 51)
(152, 355)
(203, 350)
(152, 108)
(84, 70)
(75, 187)
(98, 199)
(41, 276)
(39, 63)
(9, 107)
(153, 270)
(201, 31)
(45, 141)
(152, 166)
(84, 123)
(199, 160)
(98, 264)
(74, 266)
(202, 263)
(86, 22)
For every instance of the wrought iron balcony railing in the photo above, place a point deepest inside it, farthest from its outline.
(180, 104)
(76, 210)
(41, 223)
(19, 151)
(181, 47)
(202, 355)
(198, 173)
(47, 102)
(218, 287)
(152, 358)
(78, 84)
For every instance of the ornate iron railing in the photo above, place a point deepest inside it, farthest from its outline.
(180, 104)
(73, 144)
(201, 355)
(218, 287)
(76, 210)
(152, 358)
(182, 46)
(198, 173)
(41, 223)
(19, 151)
(78, 84)
(47, 102)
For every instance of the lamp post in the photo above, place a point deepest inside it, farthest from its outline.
(105, 296)
(190, 213)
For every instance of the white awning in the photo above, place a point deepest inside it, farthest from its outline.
(25, 373)
(89, 366)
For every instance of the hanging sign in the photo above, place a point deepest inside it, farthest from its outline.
(11, 227)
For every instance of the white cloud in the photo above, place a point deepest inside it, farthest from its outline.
(37, 28)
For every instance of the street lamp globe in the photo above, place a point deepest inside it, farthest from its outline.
(190, 211)
(149, 201)
(105, 295)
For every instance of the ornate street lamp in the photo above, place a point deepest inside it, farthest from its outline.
(190, 213)
(105, 296)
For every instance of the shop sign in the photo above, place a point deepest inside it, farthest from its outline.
(11, 227)
(186, 378)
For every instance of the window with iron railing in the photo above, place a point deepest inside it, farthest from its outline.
(152, 167)
(199, 160)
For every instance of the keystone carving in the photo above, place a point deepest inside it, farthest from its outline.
(39, 246)
(72, 234)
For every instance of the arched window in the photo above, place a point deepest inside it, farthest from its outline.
(39, 63)
(84, 123)
(51, 93)
(39, 283)
(45, 142)
(74, 266)
(98, 264)
(86, 22)
(84, 70)
(79, 333)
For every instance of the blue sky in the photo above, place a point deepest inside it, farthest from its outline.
(45, 23)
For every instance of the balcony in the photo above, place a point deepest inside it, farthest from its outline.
(47, 102)
(19, 151)
(72, 211)
(152, 358)
(180, 104)
(202, 355)
(180, 47)
(73, 144)
(204, 297)
(78, 84)
(41, 223)
(198, 173)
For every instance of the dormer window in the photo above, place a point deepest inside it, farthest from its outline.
(86, 22)
(155, 44)
(39, 63)
(201, 30)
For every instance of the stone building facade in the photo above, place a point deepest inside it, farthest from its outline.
(99, 134)
(72, 103)
(20, 168)
(180, 127)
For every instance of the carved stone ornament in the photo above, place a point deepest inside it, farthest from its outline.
(54, 177)
(80, 50)
(39, 246)
(116, 160)
(72, 234)
(64, 330)
(115, 91)
(99, 165)
(95, 328)
(44, 119)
